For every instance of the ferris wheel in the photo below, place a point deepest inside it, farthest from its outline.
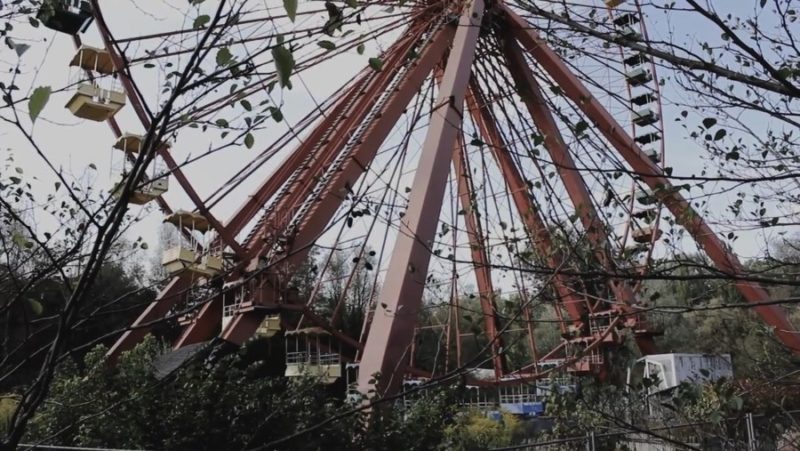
(490, 158)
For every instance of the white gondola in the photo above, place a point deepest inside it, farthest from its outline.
(313, 352)
(479, 398)
(269, 327)
(67, 16)
(98, 99)
(646, 197)
(646, 234)
(233, 294)
(653, 154)
(521, 399)
(413, 391)
(182, 254)
(644, 117)
(638, 76)
(156, 179)
(582, 358)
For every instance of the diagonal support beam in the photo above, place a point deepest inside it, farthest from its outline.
(255, 202)
(480, 258)
(401, 296)
(654, 177)
(534, 100)
(537, 231)
(362, 103)
(330, 199)
(166, 298)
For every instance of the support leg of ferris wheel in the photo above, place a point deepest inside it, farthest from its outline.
(166, 298)
(401, 295)
(480, 259)
(595, 230)
(654, 177)
(539, 235)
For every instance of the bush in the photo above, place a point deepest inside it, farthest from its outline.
(475, 431)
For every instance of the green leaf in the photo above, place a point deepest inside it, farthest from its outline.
(721, 133)
(291, 8)
(37, 101)
(201, 21)
(284, 65)
(19, 240)
(709, 122)
(276, 113)
(327, 45)
(21, 49)
(36, 306)
(224, 57)
(376, 64)
(221, 123)
(246, 105)
(249, 140)
(360, 49)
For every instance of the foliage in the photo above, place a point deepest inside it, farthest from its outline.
(474, 430)
(220, 403)
(7, 406)
(693, 312)
(225, 405)
(113, 301)
(594, 408)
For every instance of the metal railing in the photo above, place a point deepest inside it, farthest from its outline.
(306, 358)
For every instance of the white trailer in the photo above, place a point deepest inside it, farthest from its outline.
(670, 370)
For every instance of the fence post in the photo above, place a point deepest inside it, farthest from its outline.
(751, 433)
(590, 441)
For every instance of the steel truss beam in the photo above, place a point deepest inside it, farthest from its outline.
(363, 103)
(481, 113)
(401, 295)
(279, 177)
(531, 93)
(330, 199)
(653, 176)
(174, 291)
(480, 257)
(295, 176)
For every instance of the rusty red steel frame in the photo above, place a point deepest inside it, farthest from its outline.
(400, 298)
(480, 258)
(653, 176)
(537, 232)
(300, 200)
(594, 228)
(320, 213)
